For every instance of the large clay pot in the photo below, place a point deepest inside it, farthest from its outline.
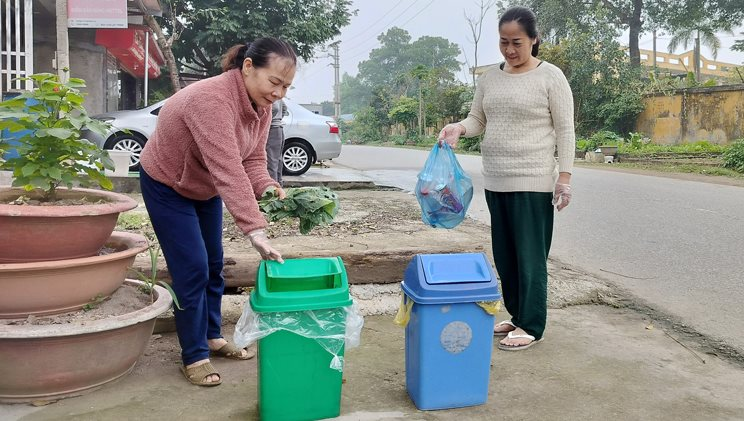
(40, 233)
(56, 361)
(60, 286)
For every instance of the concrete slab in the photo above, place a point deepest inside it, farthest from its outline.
(597, 363)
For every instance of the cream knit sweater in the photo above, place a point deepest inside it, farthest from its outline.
(524, 116)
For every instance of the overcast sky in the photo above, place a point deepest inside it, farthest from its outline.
(442, 18)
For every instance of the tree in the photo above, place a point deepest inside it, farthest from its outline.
(212, 26)
(165, 44)
(167, 34)
(738, 44)
(404, 111)
(555, 17)
(476, 27)
(356, 95)
(397, 56)
(697, 22)
(606, 88)
(627, 13)
(698, 35)
(421, 69)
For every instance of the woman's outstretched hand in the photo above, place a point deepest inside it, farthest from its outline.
(451, 134)
(260, 242)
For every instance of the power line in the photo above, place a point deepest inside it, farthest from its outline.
(381, 18)
(404, 24)
(319, 70)
(352, 47)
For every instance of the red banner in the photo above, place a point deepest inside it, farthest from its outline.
(128, 46)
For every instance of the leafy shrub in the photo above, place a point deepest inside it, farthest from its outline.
(603, 138)
(637, 141)
(471, 144)
(365, 128)
(641, 148)
(733, 157)
(397, 139)
(582, 144)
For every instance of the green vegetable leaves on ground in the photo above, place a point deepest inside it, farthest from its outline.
(314, 206)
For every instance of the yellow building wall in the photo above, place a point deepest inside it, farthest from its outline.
(714, 114)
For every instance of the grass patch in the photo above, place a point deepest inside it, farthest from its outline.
(671, 168)
(135, 222)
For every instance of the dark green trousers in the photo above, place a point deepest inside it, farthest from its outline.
(521, 232)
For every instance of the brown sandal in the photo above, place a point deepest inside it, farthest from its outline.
(231, 351)
(198, 375)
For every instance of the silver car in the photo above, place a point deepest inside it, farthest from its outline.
(309, 137)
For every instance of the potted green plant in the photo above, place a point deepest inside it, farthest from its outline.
(53, 158)
(51, 233)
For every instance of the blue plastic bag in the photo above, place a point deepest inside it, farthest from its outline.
(443, 190)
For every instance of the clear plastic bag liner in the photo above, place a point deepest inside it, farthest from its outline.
(331, 328)
(443, 190)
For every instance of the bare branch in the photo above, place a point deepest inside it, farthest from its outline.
(165, 47)
(476, 28)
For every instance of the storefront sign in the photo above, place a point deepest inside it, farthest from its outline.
(97, 13)
(128, 46)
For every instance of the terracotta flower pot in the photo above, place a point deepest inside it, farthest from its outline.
(59, 286)
(56, 361)
(40, 233)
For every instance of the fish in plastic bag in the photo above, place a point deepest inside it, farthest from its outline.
(443, 190)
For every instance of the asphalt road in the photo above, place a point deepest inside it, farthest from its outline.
(676, 244)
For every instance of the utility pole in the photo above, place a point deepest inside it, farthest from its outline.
(656, 72)
(336, 87)
(63, 43)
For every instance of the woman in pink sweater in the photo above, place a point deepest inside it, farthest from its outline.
(209, 147)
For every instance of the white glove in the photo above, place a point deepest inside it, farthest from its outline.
(561, 196)
(260, 242)
(451, 134)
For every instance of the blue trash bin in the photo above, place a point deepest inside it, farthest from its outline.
(11, 139)
(449, 337)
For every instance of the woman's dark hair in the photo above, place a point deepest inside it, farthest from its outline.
(259, 51)
(527, 20)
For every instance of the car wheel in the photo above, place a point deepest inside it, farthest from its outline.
(128, 142)
(297, 158)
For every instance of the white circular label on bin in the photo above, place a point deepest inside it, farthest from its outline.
(456, 337)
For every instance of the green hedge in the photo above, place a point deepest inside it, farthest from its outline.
(733, 157)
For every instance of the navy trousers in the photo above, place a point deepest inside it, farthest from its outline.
(190, 236)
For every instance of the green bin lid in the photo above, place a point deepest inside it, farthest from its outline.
(300, 284)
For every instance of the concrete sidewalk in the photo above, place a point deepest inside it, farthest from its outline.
(597, 363)
(607, 356)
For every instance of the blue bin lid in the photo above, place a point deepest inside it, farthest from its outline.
(450, 278)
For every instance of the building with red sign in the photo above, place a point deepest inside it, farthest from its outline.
(109, 47)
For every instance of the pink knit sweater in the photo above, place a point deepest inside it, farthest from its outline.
(210, 141)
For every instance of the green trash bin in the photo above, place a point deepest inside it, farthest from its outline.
(296, 380)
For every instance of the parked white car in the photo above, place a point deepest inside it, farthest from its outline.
(309, 137)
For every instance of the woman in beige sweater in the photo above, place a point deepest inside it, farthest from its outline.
(524, 108)
(209, 148)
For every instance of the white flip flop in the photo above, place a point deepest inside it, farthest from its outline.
(503, 334)
(511, 335)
